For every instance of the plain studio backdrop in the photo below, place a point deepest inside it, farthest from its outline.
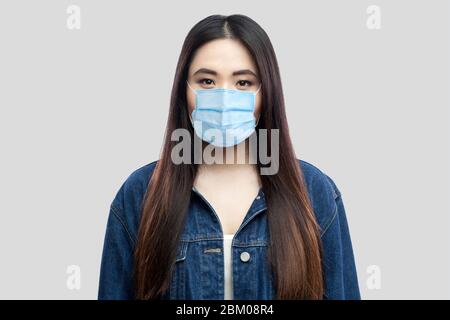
(80, 109)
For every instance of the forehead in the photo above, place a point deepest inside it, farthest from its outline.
(223, 56)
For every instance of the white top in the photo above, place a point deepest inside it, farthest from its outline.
(228, 264)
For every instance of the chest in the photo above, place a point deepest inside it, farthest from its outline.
(231, 203)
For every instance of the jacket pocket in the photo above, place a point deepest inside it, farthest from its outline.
(181, 251)
(178, 277)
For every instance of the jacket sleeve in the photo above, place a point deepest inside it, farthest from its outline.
(115, 282)
(341, 281)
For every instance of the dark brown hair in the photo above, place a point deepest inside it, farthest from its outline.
(294, 252)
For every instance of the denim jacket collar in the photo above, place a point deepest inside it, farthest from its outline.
(257, 207)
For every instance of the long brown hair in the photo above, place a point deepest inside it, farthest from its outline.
(295, 251)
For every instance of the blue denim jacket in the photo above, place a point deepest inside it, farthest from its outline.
(198, 273)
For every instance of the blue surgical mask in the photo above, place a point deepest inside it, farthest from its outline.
(223, 117)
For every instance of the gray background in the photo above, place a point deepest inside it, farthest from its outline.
(81, 109)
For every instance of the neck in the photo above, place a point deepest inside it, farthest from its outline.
(240, 154)
(242, 170)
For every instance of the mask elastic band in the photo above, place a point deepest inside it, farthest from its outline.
(258, 88)
(257, 121)
(190, 86)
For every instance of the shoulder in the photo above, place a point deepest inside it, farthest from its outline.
(323, 193)
(127, 203)
(134, 184)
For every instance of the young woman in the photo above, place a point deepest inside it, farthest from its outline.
(190, 230)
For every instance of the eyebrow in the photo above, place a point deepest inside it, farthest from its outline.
(235, 73)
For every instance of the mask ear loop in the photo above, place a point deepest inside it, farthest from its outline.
(190, 86)
(257, 120)
(190, 117)
(256, 92)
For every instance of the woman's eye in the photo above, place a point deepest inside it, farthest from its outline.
(207, 82)
(244, 83)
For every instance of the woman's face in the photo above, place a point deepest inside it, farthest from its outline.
(223, 63)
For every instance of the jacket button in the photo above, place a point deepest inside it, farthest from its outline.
(245, 256)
